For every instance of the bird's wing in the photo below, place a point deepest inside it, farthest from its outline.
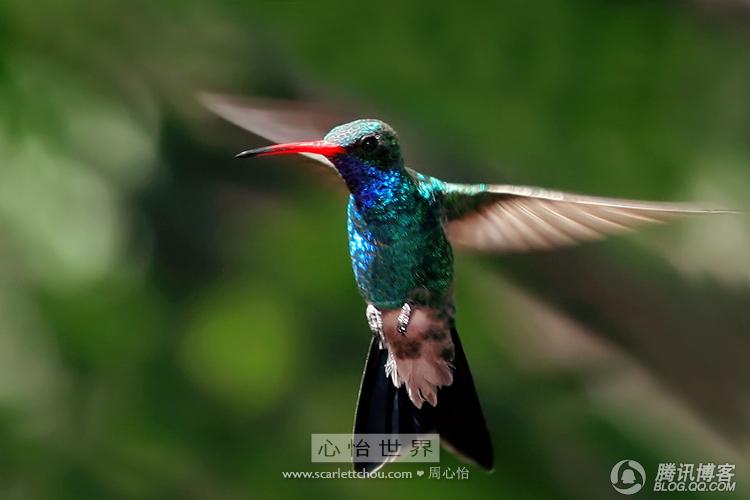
(506, 218)
(275, 120)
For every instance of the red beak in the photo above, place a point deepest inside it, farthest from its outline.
(324, 148)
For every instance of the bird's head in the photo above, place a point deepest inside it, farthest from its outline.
(370, 142)
(360, 150)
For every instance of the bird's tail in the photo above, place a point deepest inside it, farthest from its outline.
(385, 409)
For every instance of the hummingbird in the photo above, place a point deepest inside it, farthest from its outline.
(403, 227)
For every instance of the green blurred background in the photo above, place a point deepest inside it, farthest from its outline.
(174, 324)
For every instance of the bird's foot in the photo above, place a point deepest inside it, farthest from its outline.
(403, 318)
(375, 321)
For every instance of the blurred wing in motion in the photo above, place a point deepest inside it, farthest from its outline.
(506, 218)
(276, 120)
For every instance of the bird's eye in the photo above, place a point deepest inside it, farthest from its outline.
(369, 143)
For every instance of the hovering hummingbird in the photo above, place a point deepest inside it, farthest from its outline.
(403, 227)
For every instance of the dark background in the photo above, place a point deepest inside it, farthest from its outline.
(175, 324)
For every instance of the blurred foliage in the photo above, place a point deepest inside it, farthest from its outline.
(175, 325)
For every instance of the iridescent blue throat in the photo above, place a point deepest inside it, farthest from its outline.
(373, 186)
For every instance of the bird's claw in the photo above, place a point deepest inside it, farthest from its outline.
(403, 318)
(375, 321)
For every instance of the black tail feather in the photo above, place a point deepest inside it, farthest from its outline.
(384, 409)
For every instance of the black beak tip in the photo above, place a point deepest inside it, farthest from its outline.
(245, 154)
